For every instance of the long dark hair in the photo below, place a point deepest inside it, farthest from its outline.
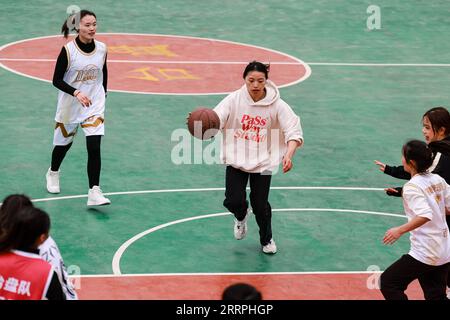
(439, 117)
(419, 152)
(257, 66)
(28, 225)
(9, 208)
(75, 24)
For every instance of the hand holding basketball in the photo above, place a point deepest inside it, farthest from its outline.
(203, 123)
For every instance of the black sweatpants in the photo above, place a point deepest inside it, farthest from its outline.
(396, 278)
(94, 158)
(236, 199)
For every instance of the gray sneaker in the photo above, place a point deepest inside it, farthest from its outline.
(270, 248)
(96, 198)
(240, 227)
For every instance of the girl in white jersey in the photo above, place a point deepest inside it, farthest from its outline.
(260, 131)
(426, 199)
(81, 76)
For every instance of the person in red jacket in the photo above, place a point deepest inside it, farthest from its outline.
(23, 274)
(48, 250)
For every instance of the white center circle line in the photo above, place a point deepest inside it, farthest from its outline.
(119, 253)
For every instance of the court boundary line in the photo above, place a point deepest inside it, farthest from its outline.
(202, 190)
(339, 64)
(369, 64)
(124, 275)
(119, 252)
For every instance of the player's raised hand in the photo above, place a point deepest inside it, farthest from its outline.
(381, 165)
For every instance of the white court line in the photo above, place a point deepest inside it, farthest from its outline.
(157, 61)
(218, 274)
(363, 64)
(119, 253)
(202, 190)
(223, 189)
(226, 213)
(341, 64)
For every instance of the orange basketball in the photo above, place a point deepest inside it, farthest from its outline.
(203, 123)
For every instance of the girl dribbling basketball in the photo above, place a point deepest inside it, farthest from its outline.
(260, 131)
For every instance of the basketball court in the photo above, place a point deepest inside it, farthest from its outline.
(360, 94)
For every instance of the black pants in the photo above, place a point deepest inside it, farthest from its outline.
(396, 278)
(236, 199)
(94, 158)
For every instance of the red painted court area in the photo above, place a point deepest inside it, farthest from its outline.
(348, 286)
(160, 64)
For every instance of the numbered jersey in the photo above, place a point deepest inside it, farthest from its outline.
(85, 73)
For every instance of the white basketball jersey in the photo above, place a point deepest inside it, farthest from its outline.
(85, 73)
(428, 195)
(49, 251)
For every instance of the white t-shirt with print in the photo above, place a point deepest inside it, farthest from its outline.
(428, 195)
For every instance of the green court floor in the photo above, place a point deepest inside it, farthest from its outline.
(351, 115)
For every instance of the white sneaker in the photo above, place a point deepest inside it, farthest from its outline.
(96, 198)
(52, 178)
(240, 227)
(448, 293)
(271, 247)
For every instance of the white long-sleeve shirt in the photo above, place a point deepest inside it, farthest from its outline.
(255, 134)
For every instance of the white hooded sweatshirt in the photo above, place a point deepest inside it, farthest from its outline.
(255, 134)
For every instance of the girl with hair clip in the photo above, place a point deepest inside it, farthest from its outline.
(23, 274)
(48, 250)
(260, 131)
(81, 76)
(436, 130)
(426, 199)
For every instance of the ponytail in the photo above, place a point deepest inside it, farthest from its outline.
(65, 29)
(420, 153)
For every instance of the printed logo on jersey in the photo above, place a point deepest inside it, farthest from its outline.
(253, 128)
(88, 75)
